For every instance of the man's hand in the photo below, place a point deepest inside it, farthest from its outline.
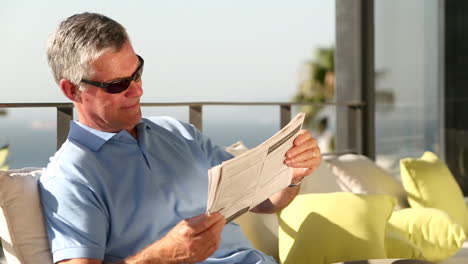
(304, 156)
(192, 240)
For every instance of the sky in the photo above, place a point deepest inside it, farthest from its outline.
(212, 50)
(205, 50)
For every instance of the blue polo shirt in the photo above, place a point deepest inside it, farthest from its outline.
(107, 195)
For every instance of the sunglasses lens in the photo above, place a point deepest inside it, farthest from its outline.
(118, 87)
(138, 74)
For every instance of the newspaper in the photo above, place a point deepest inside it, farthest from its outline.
(241, 183)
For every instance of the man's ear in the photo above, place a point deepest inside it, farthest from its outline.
(70, 90)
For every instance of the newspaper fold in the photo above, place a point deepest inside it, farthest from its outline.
(241, 183)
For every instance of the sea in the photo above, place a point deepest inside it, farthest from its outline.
(31, 133)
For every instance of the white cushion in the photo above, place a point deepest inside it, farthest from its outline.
(357, 174)
(22, 228)
(322, 180)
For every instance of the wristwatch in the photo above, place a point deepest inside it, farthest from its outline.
(296, 184)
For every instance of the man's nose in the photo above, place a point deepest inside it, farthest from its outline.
(135, 89)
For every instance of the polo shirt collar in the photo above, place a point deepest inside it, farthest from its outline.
(94, 139)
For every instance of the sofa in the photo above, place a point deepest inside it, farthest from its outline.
(357, 176)
(344, 212)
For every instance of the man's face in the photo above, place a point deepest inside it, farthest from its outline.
(112, 112)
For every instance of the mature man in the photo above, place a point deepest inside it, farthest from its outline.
(127, 189)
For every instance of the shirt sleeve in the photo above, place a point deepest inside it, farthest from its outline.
(214, 154)
(76, 221)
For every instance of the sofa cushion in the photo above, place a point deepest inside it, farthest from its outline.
(262, 229)
(398, 245)
(427, 233)
(429, 183)
(22, 228)
(334, 227)
(358, 174)
(322, 180)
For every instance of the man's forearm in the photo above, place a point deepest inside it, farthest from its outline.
(192, 240)
(146, 256)
(277, 201)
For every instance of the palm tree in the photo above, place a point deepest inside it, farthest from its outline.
(318, 84)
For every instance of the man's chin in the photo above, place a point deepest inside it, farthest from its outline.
(137, 118)
(130, 118)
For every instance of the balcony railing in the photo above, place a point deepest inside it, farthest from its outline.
(65, 112)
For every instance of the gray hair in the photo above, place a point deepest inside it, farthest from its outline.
(78, 41)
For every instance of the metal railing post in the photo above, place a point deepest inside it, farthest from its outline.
(64, 116)
(285, 114)
(196, 116)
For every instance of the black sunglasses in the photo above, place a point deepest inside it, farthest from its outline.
(119, 85)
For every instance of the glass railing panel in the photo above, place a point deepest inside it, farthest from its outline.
(408, 80)
(406, 131)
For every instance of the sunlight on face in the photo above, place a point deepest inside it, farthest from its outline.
(112, 112)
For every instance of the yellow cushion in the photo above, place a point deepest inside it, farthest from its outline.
(334, 227)
(423, 233)
(398, 245)
(429, 183)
